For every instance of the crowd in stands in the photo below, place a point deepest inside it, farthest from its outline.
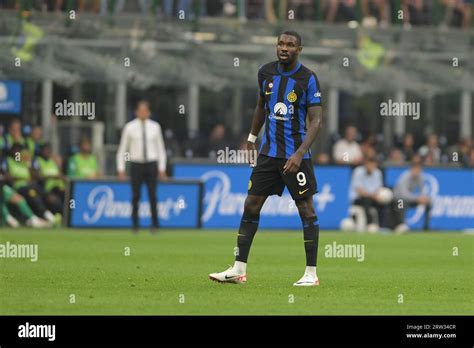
(34, 189)
(455, 13)
(350, 149)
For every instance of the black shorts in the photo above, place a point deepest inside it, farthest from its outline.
(268, 179)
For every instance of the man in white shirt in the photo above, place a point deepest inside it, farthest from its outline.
(347, 150)
(366, 181)
(142, 144)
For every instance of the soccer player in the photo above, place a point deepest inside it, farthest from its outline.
(289, 93)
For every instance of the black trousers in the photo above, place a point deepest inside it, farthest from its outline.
(367, 203)
(399, 213)
(144, 173)
(34, 197)
(54, 200)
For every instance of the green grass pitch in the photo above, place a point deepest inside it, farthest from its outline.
(167, 274)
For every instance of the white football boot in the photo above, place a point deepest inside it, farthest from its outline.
(12, 222)
(229, 276)
(35, 221)
(307, 280)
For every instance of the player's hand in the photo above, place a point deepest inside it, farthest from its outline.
(293, 163)
(252, 153)
(122, 176)
(162, 175)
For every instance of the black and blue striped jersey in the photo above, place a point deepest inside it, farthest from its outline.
(287, 95)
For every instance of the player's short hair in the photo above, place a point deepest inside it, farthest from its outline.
(292, 33)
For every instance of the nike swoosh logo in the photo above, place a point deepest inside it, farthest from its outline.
(243, 235)
(307, 241)
(267, 93)
(226, 277)
(301, 192)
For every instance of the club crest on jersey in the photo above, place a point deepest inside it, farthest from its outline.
(292, 97)
(270, 85)
(280, 109)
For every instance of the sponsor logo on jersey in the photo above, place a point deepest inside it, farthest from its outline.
(280, 109)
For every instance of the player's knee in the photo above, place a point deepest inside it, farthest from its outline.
(252, 206)
(305, 208)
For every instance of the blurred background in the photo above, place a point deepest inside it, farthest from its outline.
(114, 53)
(196, 61)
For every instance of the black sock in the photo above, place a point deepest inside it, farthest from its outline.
(247, 230)
(311, 239)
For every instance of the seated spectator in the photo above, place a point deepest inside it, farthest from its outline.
(12, 198)
(14, 135)
(396, 157)
(46, 169)
(410, 189)
(303, 9)
(408, 148)
(17, 169)
(322, 158)
(470, 163)
(378, 9)
(460, 152)
(83, 165)
(458, 13)
(35, 140)
(217, 140)
(417, 12)
(340, 11)
(88, 5)
(369, 147)
(111, 7)
(430, 152)
(366, 181)
(347, 150)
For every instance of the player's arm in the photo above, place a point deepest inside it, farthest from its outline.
(315, 114)
(257, 124)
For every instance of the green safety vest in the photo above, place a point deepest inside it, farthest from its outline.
(370, 53)
(48, 167)
(20, 171)
(10, 141)
(31, 145)
(82, 167)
